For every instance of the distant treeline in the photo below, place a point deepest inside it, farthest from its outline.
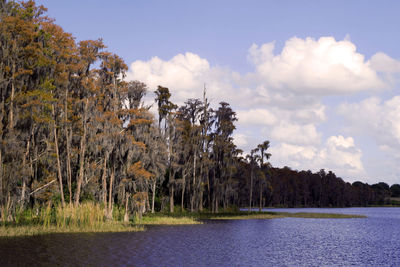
(72, 130)
(291, 188)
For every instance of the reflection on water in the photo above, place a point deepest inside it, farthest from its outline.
(374, 241)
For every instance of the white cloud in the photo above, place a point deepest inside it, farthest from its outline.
(296, 134)
(182, 74)
(338, 154)
(322, 67)
(377, 118)
(378, 121)
(310, 114)
(343, 156)
(293, 155)
(255, 117)
(259, 55)
(383, 63)
(240, 140)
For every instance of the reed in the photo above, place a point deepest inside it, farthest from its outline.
(31, 230)
(87, 214)
(87, 217)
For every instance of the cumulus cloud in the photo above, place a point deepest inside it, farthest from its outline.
(240, 139)
(341, 154)
(323, 67)
(186, 74)
(387, 67)
(183, 73)
(337, 153)
(281, 98)
(296, 134)
(383, 63)
(298, 76)
(293, 155)
(255, 117)
(377, 118)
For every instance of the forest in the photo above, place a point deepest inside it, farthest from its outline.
(74, 130)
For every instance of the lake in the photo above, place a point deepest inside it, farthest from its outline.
(371, 241)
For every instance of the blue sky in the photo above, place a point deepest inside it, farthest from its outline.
(322, 74)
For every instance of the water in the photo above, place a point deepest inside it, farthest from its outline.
(374, 241)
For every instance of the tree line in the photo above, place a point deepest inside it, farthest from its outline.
(289, 188)
(73, 129)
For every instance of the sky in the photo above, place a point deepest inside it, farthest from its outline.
(318, 79)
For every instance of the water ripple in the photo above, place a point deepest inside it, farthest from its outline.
(374, 241)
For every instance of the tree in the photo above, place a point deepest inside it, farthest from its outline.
(165, 111)
(89, 54)
(252, 158)
(395, 190)
(263, 147)
(223, 151)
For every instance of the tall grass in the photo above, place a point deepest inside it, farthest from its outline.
(87, 214)
(87, 217)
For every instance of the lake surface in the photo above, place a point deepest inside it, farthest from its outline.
(373, 241)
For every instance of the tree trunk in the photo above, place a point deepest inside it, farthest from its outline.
(225, 200)
(81, 157)
(154, 196)
(1, 179)
(212, 202)
(251, 188)
(1, 158)
(11, 118)
(126, 216)
(58, 158)
(193, 197)
(147, 199)
(104, 180)
(259, 209)
(69, 171)
(208, 189)
(201, 201)
(23, 193)
(201, 189)
(171, 198)
(8, 212)
(171, 184)
(213, 193)
(216, 204)
(23, 175)
(68, 140)
(183, 192)
(110, 198)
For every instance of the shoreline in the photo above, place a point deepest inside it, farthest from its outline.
(245, 209)
(35, 230)
(162, 219)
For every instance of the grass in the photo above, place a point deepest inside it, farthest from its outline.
(195, 218)
(395, 201)
(169, 220)
(31, 230)
(86, 218)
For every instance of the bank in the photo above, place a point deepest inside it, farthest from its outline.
(179, 218)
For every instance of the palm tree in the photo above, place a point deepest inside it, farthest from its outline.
(262, 148)
(252, 158)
